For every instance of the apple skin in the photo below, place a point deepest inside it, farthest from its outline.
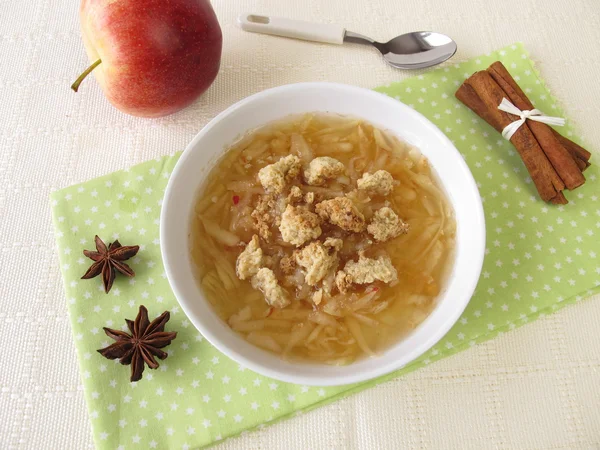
(158, 56)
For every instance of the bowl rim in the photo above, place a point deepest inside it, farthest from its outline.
(322, 380)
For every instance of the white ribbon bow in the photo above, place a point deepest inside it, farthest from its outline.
(533, 114)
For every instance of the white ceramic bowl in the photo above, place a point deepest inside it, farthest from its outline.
(382, 111)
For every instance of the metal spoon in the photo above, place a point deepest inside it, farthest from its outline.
(409, 51)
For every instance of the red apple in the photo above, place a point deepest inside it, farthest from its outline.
(156, 56)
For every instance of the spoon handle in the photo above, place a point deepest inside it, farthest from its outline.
(296, 29)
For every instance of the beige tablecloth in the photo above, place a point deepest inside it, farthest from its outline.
(536, 387)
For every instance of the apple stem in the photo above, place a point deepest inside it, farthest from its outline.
(85, 73)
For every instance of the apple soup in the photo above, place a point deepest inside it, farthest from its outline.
(322, 238)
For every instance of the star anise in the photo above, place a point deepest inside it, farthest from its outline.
(108, 261)
(142, 345)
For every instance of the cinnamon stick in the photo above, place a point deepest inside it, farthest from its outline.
(482, 93)
(469, 97)
(578, 152)
(560, 158)
(466, 95)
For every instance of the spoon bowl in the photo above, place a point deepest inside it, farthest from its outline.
(411, 50)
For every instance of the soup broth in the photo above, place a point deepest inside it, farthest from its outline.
(322, 264)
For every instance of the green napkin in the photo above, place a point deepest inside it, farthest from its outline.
(539, 258)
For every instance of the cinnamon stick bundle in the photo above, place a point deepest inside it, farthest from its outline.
(554, 162)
